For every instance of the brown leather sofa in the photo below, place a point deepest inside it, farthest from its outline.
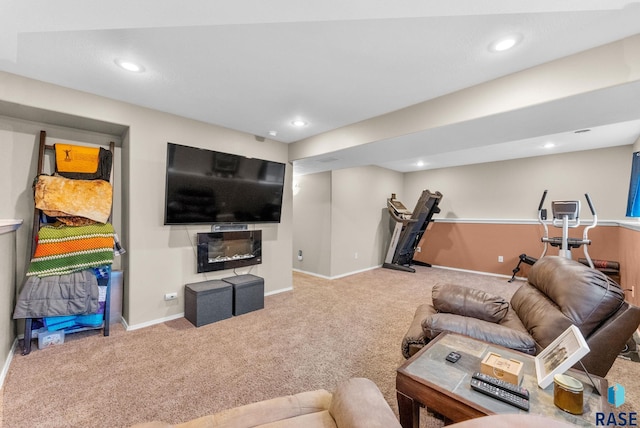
(558, 292)
(356, 403)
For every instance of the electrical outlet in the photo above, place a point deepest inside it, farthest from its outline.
(631, 290)
(418, 249)
(171, 296)
(500, 259)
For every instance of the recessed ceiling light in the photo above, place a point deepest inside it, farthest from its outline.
(420, 163)
(273, 133)
(129, 65)
(549, 145)
(505, 43)
(299, 123)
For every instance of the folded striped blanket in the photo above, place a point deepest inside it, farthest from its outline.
(65, 249)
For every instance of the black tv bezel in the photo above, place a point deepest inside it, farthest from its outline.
(166, 192)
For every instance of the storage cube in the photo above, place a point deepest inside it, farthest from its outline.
(248, 293)
(208, 301)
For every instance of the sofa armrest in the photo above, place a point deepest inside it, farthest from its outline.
(415, 338)
(359, 403)
(609, 339)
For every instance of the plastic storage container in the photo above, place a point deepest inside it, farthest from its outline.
(50, 338)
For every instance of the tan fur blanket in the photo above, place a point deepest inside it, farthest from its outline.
(63, 197)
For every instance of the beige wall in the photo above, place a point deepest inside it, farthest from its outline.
(512, 189)
(341, 221)
(159, 258)
(360, 221)
(7, 297)
(18, 141)
(312, 223)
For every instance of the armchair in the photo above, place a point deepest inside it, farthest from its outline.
(559, 292)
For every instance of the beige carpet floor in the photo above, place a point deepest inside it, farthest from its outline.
(313, 337)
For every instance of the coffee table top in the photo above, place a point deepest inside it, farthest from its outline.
(430, 368)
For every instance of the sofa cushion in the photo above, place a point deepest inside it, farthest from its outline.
(358, 403)
(479, 329)
(264, 413)
(455, 299)
(275, 409)
(561, 292)
(310, 420)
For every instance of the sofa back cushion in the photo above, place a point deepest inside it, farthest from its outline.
(469, 302)
(561, 292)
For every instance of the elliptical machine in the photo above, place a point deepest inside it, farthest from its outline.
(566, 214)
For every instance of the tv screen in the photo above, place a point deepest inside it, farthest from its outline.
(205, 187)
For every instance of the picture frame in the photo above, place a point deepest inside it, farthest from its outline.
(565, 351)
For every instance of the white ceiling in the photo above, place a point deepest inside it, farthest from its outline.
(255, 65)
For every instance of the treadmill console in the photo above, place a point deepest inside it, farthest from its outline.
(398, 208)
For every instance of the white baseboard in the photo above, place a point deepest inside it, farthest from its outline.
(337, 276)
(278, 291)
(128, 327)
(7, 362)
(376, 267)
(317, 275)
(478, 272)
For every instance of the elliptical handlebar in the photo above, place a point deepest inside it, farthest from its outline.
(593, 210)
(544, 195)
(546, 229)
(585, 233)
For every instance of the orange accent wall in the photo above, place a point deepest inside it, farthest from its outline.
(629, 242)
(476, 246)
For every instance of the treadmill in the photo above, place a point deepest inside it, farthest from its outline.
(408, 228)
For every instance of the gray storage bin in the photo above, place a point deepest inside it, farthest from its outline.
(248, 293)
(208, 301)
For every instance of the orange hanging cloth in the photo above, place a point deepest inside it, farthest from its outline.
(71, 158)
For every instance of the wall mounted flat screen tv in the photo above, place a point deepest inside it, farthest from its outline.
(206, 187)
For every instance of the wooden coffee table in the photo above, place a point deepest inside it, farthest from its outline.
(428, 380)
